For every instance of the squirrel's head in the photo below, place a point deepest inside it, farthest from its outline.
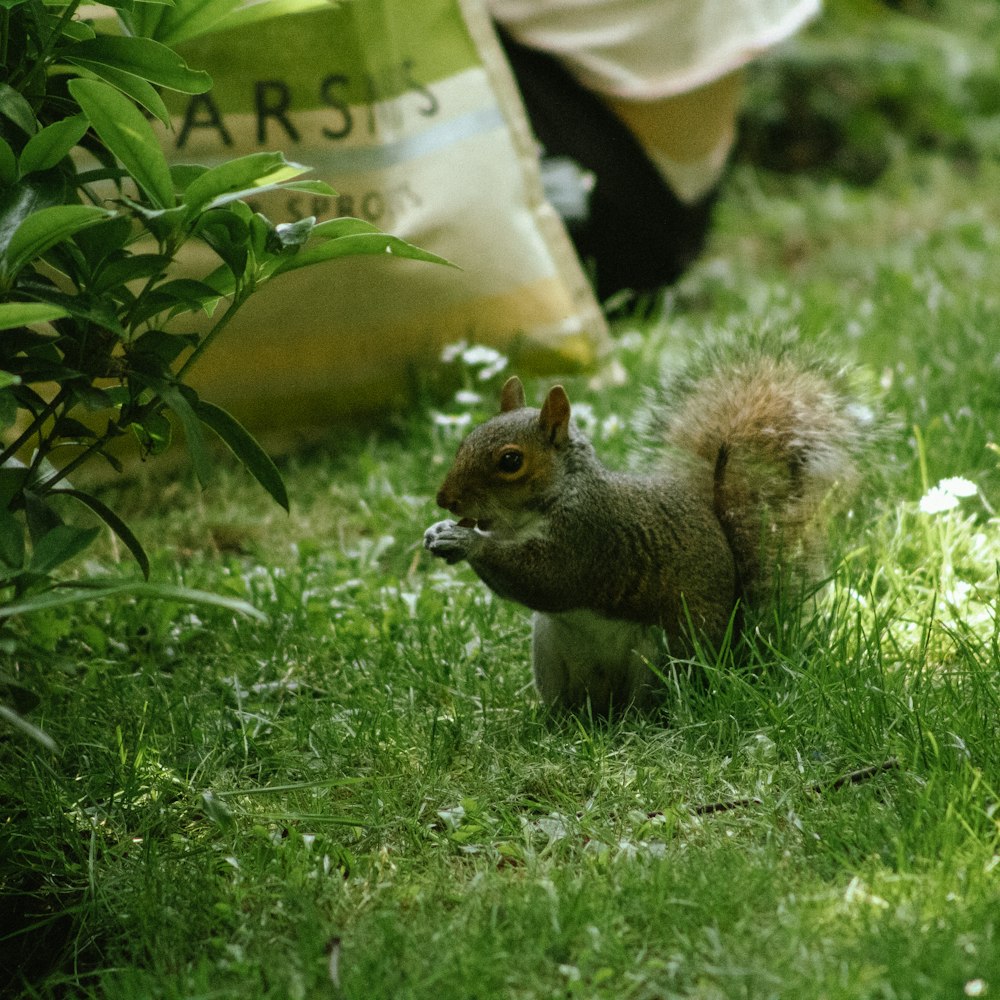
(506, 469)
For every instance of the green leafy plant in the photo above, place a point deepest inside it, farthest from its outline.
(97, 330)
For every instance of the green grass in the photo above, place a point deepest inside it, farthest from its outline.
(372, 766)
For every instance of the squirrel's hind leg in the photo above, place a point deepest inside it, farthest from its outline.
(580, 657)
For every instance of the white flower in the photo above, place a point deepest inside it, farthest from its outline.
(586, 419)
(466, 397)
(975, 988)
(958, 594)
(451, 351)
(480, 355)
(631, 340)
(936, 500)
(946, 494)
(611, 425)
(452, 420)
(488, 371)
(958, 487)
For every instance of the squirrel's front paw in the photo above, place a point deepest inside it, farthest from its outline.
(448, 540)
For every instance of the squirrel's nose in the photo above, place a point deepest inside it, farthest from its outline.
(447, 501)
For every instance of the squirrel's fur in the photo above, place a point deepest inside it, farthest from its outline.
(751, 445)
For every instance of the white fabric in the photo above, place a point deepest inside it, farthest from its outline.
(650, 49)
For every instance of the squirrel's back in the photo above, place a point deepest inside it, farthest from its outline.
(781, 432)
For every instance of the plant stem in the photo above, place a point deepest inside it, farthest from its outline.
(15, 446)
(57, 32)
(45, 445)
(4, 34)
(72, 466)
(239, 297)
(50, 43)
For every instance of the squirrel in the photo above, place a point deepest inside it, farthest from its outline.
(753, 443)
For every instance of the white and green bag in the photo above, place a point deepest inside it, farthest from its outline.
(409, 112)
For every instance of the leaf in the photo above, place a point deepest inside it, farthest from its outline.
(29, 195)
(143, 93)
(25, 339)
(42, 370)
(371, 244)
(311, 187)
(122, 128)
(142, 57)
(133, 267)
(228, 236)
(105, 241)
(345, 225)
(217, 810)
(243, 445)
(187, 291)
(243, 173)
(222, 281)
(93, 399)
(11, 540)
(175, 398)
(263, 237)
(94, 310)
(8, 404)
(43, 229)
(17, 109)
(69, 428)
(165, 225)
(255, 13)
(190, 18)
(185, 174)
(47, 147)
(13, 474)
(159, 347)
(40, 516)
(181, 295)
(8, 164)
(143, 18)
(114, 522)
(93, 591)
(154, 433)
(74, 30)
(314, 187)
(59, 545)
(14, 314)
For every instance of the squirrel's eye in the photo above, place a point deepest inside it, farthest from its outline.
(510, 460)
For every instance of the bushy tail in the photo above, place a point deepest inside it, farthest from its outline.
(783, 433)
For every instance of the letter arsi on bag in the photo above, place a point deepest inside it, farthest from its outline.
(276, 110)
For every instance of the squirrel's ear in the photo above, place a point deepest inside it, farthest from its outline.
(554, 418)
(512, 395)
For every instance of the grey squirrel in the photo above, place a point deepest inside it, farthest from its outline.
(752, 443)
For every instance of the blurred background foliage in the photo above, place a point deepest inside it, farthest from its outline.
(871, 81)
